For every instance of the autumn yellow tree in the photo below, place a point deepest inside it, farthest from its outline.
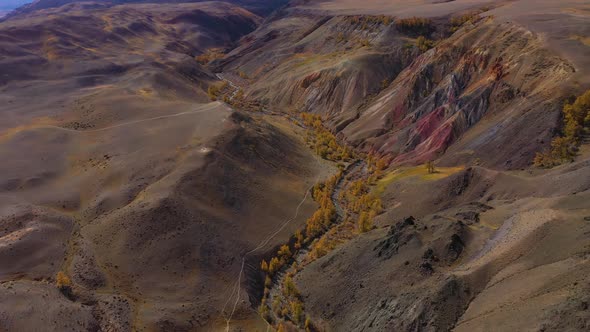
(64, 284)
(281, 328)
(289, 288)
(430, 167)
(284, 252)
(576, 124)
(298, 240)
(365, 222)
(62, 280)
(308, 324)
(274, 266)
(297, 312)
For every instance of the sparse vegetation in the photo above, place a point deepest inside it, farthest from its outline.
(365, 222)
(284, 252)
(274, 265)
(576, 126)
(299, 238)
(416, 171)
(458, 21)
(287, 305)
(360, 200)
(322, 141)
(263, 309)
(289, 288)
(366, 21)
(290, 306)
(243, 75)
(308, 325)
(321, 248)
(320, 232)
(297, 312)
(424, 44)
(321, 220)
(415, 26)
(62, 280)
(209, 55)
(364, 42)
(215, 90)
(281, 328)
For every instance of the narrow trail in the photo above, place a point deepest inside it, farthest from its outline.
(124, 124)
(234, 87)
(236, 291)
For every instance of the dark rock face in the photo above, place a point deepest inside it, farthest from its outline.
(470, 216)
(454, 248)
(398, 236)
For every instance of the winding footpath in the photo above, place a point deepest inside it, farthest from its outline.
(237, 286)
(236, 290)
(124, 124)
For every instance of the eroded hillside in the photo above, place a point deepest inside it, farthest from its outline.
(475, 89)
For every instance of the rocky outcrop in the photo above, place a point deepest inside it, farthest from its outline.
(451, 88)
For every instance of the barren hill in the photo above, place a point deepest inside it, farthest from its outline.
(112, 147)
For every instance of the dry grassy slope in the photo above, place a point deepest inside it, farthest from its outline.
(91, 68)
(117, 170)
(119, 34)
(149, 226)
(192, 226)
(489, 251)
